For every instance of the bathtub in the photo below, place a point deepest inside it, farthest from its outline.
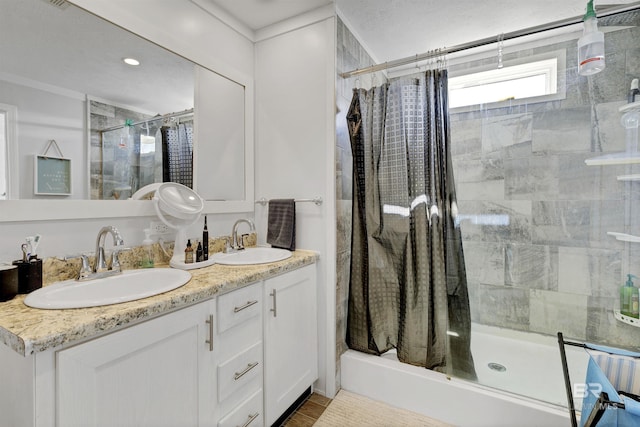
(520, 382)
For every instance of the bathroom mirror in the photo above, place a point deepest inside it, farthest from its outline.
(67, 92)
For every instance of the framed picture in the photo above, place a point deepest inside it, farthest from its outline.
(52, 176)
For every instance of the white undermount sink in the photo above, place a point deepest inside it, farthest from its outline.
(128, 286)
(250, 256)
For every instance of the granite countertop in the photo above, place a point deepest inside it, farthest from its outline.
(28, 330)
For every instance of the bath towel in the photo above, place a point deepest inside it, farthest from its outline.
(281, 224)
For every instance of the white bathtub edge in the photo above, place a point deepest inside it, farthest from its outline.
(430, 393)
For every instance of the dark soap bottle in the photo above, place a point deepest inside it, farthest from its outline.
(205, 241)
(199, 253)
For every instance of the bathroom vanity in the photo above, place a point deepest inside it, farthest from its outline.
(233, 347)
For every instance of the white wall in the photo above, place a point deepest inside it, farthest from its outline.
(295, 145)
(186, 29)
(44, 115)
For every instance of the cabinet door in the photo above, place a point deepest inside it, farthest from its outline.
(158, 373)
(291, 349)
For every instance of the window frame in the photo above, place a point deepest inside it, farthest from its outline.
(518, 72)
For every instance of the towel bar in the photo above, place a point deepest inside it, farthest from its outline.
(316, 200)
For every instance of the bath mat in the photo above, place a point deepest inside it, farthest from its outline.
(352, 410)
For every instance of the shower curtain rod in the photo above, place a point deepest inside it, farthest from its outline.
(150, 119)
(483, 42)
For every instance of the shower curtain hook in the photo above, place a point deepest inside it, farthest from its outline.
(500, 46)
(357, 82)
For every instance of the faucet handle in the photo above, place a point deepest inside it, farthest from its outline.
(228, 247)
(115, 261)
(85, 268)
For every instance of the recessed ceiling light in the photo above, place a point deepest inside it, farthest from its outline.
(131, 61)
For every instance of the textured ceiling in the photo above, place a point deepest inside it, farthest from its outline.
(393, 29)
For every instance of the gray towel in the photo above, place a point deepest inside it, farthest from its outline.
(281, 224)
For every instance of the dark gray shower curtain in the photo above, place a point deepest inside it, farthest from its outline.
(177, 153)
(408, 285)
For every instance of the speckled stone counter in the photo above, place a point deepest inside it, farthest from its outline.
(27, 330)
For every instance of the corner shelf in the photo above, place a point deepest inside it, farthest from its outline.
(622, 158)
(626, 319)
(632, 177)
(630, 107)
(624, 237)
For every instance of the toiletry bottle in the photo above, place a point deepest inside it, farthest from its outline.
(635, 296)
(188, 253)
(591, 45)
(205, 241)
(147, 250)
(199, 253)
(625, 295)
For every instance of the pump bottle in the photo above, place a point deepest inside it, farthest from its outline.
(591, 45)
(147, 246)
(627, 293)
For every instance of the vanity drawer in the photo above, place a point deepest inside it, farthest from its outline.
(247, 414)
(240, 370)
(238, 306)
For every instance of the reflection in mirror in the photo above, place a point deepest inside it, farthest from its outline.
(121, 126)
(138, 151)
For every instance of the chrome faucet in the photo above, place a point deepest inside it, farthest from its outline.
(237, 245)
(100, 269)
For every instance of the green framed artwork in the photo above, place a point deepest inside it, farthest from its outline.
(52, 176)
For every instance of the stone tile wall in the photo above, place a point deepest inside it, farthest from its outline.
(535, 217)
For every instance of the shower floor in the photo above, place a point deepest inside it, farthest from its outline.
(521, 363)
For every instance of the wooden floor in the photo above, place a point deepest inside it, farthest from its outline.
(308, 412)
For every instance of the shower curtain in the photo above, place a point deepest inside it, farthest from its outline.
(408, 286)
(177, 153)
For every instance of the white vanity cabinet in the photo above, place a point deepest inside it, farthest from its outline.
(290, 339)
(233, 360)
(159, 372)
(239, 360)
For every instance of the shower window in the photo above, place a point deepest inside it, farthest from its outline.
(533, 81)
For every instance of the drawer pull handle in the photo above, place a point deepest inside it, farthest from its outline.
(249, 367)
(247, 305)
(210, 340)
(251, 418)
(274, 309)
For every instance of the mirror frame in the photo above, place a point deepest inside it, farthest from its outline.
(48, 209)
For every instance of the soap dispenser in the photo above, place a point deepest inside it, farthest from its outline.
(626, 294)
(147, 248)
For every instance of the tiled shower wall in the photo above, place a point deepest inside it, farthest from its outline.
(534, 217)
